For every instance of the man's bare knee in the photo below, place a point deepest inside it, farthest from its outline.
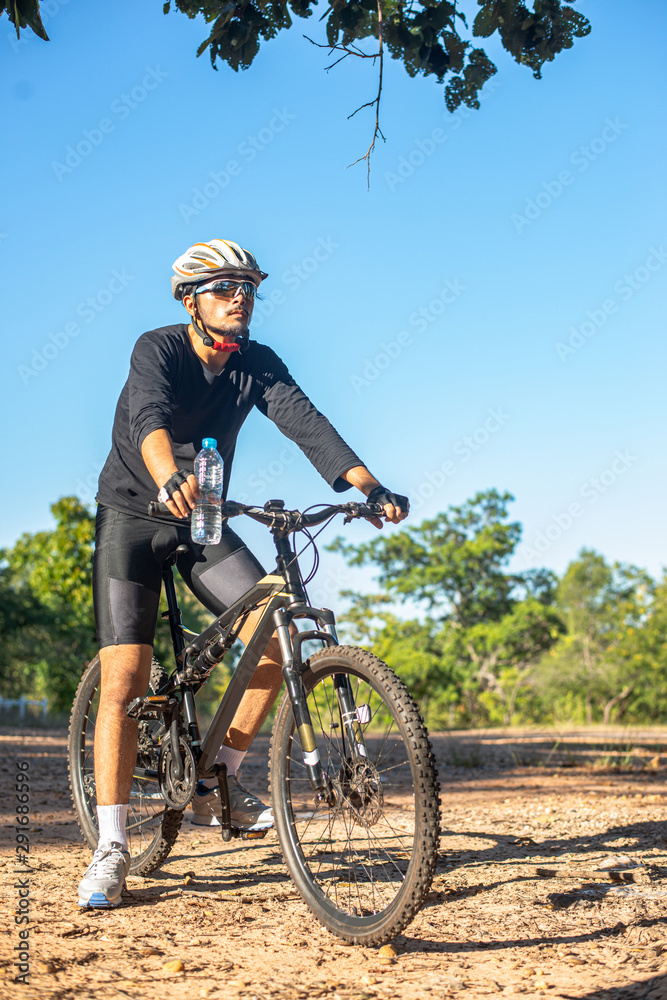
(273, 653)
(125, 672)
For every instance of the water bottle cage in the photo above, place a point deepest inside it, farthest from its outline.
(173, 485)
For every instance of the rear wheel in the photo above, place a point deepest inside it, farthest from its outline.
(364, 864)
(152, 828)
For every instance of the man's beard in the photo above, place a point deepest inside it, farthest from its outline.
(228, 328)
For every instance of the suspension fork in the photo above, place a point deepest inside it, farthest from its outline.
(349, 716)
(319, 781)
(351, 731)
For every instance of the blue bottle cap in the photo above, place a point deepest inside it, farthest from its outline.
(209, 443)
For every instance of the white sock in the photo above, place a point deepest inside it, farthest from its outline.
(232, 758)
(112, 820)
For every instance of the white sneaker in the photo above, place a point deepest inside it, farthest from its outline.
(104, 880)
(247, 811)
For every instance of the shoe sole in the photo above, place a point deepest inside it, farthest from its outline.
(213, 821)
(98, 901)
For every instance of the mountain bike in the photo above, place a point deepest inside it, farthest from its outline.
(353, 782)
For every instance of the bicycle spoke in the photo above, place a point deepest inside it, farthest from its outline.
(358, 864)
(147, 813)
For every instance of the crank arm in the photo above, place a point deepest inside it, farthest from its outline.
(225, 808)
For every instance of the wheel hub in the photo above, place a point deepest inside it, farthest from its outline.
(360, 792)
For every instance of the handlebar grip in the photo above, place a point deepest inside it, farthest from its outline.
(231, 508)
(156, 508)
(228, 508)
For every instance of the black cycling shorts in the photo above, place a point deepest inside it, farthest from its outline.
(127, 573)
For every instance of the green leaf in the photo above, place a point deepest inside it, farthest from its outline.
(486, 21)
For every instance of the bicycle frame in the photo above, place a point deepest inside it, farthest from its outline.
(282, 598)
(358, 829)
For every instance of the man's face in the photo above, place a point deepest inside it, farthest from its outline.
(223, 314)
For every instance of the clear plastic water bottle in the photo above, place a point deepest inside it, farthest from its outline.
(206, 521)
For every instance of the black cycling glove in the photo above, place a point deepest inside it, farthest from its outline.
(381, 495)
(172, 485)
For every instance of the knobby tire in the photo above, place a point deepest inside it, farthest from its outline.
(152, 827)
(365, 866)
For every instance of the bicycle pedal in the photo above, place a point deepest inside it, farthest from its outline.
(236, 833)
(149, 706)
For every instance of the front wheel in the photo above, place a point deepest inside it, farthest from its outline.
(152, 828)
(364, 863)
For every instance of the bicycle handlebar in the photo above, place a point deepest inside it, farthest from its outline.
(287, 520)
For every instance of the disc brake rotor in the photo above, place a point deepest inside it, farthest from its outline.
(360, 792)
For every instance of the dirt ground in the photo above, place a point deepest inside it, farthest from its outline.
(519, 904)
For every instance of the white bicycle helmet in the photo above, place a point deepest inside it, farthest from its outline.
(203, 261)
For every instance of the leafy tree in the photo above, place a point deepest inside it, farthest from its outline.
(23, 623)
(430, 37)
(452, 564)
(57, 564)
(50, 574)
(427, 36)
(642, 661)
(602, 606)
(47, 618)
(505, 653)
(24, 14)
(414, 645)
(485, 628)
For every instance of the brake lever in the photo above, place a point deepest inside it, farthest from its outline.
(366, 510)
(228, 508)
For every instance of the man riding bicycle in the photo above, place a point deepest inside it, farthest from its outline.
(188, 382)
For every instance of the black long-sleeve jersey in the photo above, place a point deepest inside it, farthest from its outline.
(169, 387)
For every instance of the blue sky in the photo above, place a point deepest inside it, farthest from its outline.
(491, 313)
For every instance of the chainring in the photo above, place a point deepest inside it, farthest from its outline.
(177, 792)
